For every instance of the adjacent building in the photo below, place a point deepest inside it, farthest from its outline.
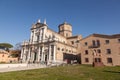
(101, 48)
(46, 45)
(5, 57)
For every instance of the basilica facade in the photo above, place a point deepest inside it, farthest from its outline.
(46, 45)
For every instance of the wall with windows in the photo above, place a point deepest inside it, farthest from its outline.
(6, 58)
(107, 49)
(63, 48)
(56, 36)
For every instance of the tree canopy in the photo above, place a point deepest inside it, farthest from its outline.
(6, 45)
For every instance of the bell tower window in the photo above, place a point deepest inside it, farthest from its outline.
(66, 34)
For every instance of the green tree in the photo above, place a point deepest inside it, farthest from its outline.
(6, 46)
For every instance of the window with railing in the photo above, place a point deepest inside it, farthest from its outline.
(109, 60)
(97, 59)
(118, 40)
(99, 51)
(86, 52)
(108, 51)
(107, 41)
(3, 55)
(66, 49)
(95, 44)
(58, 48)
(87, 60)
(86, 43)
(98, 42)
(69, 50)
(62, 49)
(72, 42)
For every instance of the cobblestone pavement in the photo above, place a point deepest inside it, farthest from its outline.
(19, 68)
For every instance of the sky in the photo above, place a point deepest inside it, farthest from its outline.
(85, 16)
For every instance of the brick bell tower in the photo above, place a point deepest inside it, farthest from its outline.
(65, 29)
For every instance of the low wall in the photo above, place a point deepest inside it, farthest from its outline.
(12, 65)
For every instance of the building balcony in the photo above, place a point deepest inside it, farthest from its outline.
(40, 41)
(94, 46)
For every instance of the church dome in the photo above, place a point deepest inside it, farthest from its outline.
(65, 23)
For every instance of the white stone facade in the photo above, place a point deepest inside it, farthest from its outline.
(44, 43)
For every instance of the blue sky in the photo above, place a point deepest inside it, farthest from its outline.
(85, 16)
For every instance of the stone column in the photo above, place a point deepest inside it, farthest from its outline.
(32, 56)
(31, 36)
(24, 55)
(21, 56)
(42, 56)
(34, 36)
(22, 52)
(43, 34)
(28, 57)
(49, 53)
(54, 53)
(40, 35)
(39, 54)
